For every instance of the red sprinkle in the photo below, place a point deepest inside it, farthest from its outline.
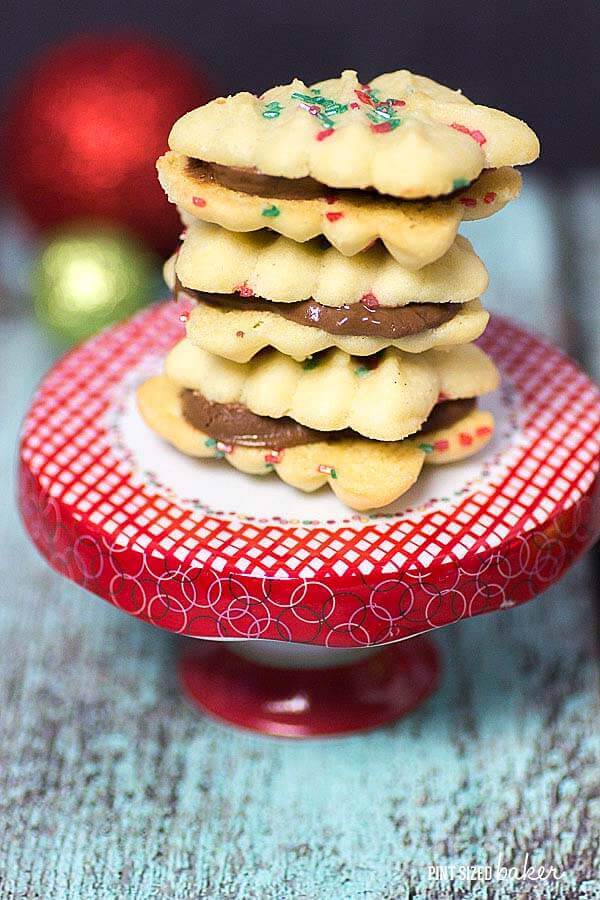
(465, 438)
(334, 216)
(381, 127)
(364, 98)
(441, 445)
(321, 135)
(198, 201)
(370, 301)
(490, 197)
(274, 457)
(467, 201)
(393, 102)
(483, 430)
(354, 105)
(476, 135)
(244, 291)
(479, 136)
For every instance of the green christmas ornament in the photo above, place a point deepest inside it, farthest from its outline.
(84, 280)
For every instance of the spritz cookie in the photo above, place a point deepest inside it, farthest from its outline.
(401, 135)
(414, 232)
(384, 397)
(364, 474)
(267, 265)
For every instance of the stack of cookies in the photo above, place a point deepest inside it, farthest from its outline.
(334, 304)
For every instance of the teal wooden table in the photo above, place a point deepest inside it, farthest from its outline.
(111, 787)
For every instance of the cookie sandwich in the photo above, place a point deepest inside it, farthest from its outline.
(401, 159)
(333, 304)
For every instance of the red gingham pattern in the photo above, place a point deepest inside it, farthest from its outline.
(358, 582)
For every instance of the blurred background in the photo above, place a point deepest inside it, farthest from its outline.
(537, 59)
(88, 93)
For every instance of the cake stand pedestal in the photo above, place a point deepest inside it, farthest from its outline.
(302, 694)
(312, 617)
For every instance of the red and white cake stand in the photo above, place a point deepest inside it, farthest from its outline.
(306, 603)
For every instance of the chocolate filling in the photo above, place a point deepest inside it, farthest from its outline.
(356, 319)
(251, 181)
(235, 424)
(248, 180)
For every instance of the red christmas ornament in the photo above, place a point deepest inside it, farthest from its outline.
(85, 126)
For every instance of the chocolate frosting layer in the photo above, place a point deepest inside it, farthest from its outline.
(251, 181)
(447, 413)
(233, 423)
(356, 319)
(275, 187)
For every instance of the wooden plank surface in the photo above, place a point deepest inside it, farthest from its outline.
(112, 787)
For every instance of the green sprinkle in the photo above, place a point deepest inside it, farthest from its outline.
(329, 123)
(460, 183)
(310, 363)
(383, 123)
(271, 211)
(272, 110)
(269, 467)
(333, 474)
(306, 98)
(361, 371)
(426, 448)
(384, 111)
(331, 108)
(323, 108)
(210, 442)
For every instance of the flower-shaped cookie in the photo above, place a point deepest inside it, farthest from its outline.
(240, 334)
(265, 264)
(364, 474)
(415, 233)
(385, 398)
(401, 134)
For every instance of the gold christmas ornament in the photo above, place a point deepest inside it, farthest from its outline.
(85, 280)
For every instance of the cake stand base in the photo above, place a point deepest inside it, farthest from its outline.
(299, 691)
